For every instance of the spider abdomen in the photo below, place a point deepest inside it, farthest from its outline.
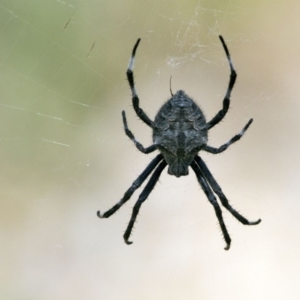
(179, 132)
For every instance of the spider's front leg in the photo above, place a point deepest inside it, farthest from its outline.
(226, 102)
(135, 99)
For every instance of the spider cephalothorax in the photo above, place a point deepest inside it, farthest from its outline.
(179, 133)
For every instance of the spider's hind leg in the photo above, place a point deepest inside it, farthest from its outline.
(212, 199)
(143, 196)
(217, 189)
(136, 184)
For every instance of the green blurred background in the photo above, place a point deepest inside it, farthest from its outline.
(64, 154)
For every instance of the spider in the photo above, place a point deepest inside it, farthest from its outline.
(179, 133)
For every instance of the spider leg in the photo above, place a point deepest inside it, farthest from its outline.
(136, 184)
(221, 114)
(232, 140)
(217, 189)
(131, 136)
(143, 196)
(212, 199)
(135, 99)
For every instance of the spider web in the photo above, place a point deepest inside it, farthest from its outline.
(64, 154)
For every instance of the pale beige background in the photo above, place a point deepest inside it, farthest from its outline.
(64, 154)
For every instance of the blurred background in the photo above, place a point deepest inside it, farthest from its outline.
(64, 154)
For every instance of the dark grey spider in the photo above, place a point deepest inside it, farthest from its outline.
(179, 133)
